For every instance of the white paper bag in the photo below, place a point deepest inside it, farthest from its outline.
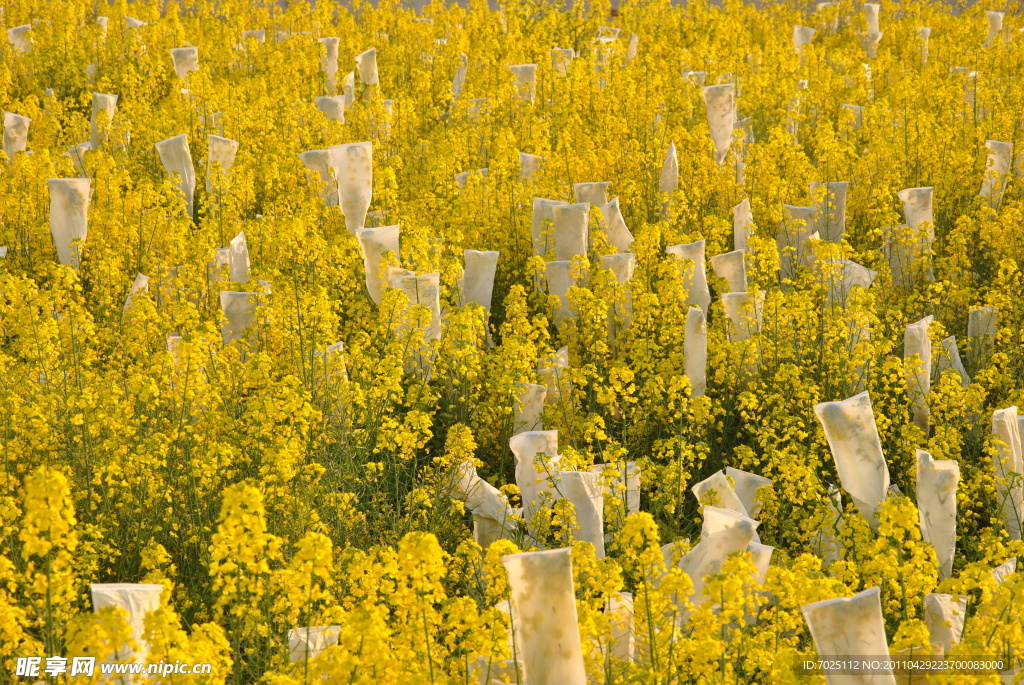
(721, 105)
(731, 535)
(825, 543)
(543, 235)
(594, 193)
(186, 60)
(134, 23)
(309, 643)
(851, 628)
(695, 350)
(917, 358)
(319, 163)
(997, 166)
(424, 289)
(329, 61)
(103, 106)
(936, 503)
(528, 408)
(746, 485)
(238, 259)
(798, 224)
(716, 491)
(995, 27)
(220, 156)
(670, 171)
(857, 450)
(536, 475)
(559, 277)
(561, 58)
(925, 33)
(177, 160)
(21, 38)
(478, 277)
(871, 11)
(982, 326)
(529, 165)
(459, 80)
(139, 285)
(373, 243)
(1008, 460)
(583, 489)
(526, 81)
(949, 358)
(15, 133)
(626, 484)
(699, 295)
(944, 617)
(742, 221)
(69, 217)
(616, 231)
(572, 230)
(348, 88)
(136, 600)
(545, 601)
(353, 169)
(332, 106)
(802, 35)
(239, 310)
(366, 65)
(831, 210)
(622, 644)
(731, 268)
(744, 311)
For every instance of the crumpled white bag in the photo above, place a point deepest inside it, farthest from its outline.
(186, 60)
(545, 601)
(459, 80)
(826, 544)
(982, 326)
(849, 629)
(373, 243)
(716, 491)
(625, 484)
(917, 343)
(309, 643)
(721, 106)
(995, 27)
(917, 205)
(353, 169)
(177, 159)
(348, 88)
(936, 504)
(103, 107)
(15, 133)
(730, 534)
(925, 34)
(561, 59)
(69, 217)
(857, 450)
(238, 259)
(698, 294)
(746, 485)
